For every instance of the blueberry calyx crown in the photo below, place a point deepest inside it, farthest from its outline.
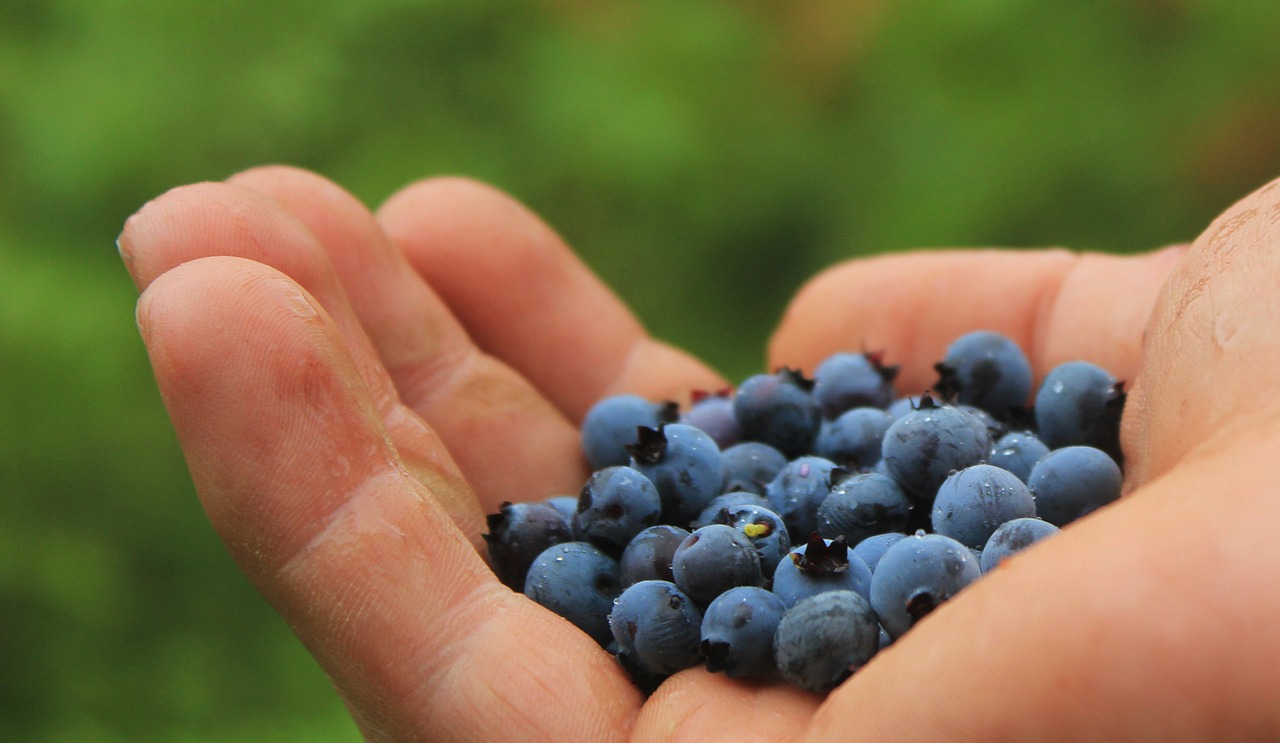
(497, 522)
(820, 558)
(887, 372)
(650, 445)
(926, 402)
(948, 384)
(796, 377)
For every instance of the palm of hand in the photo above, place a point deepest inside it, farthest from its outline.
(346, 441)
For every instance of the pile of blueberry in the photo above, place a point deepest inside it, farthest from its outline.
(795, 526)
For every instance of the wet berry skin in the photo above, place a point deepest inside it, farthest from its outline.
(750, 466)
(1017, 452)
(1079, 404)
(798, 490)
(873, 548)
(579, 582)
(737, 632)
(1073, 481)
(972, 502)
(778, 410)
(987, 370)
(648, 555)
(853, 440)
(925, 445)
(824, 639)
(518, 533)
(1011, 538)
(611, 424)
(862, 506)
(711, 514)
(764, 528)
(844, 381)
(713, 414)
(714, 559)
(615, 504)
(683, 463)
(657, 628)
(918, 574)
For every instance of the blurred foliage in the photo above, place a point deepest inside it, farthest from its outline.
(704, 157)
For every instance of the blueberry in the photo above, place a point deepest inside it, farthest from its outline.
(903, 405)
(916, 575)
(819, 566)
(1018, 453)
(1073, 481)
(684, 464)
(648, 555)
(973, 501)
(923, 446)
(518, 533)
(565, 505)
(799, 489)
(824, 639)
(852, 380)
(711, 514)
(853, 439)
(657, 628)
(615, 504)
(862, 506)
(765, 529)
(873, 548)
(750, 466)
(1013, 537)
(737, 632)
(994, 428)
(611, 424)
(987, 370)
(779, 410)
(714, 559)
(712, 412)
(1079, 404)
(577, 581)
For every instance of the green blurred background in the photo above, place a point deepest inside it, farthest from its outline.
(704, 157)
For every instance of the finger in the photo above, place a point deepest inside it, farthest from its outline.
(1058, 306)
(525, 298)
(697, 705)
(1142, 621)
(509, 442)
(1200, 381)
(293, 465)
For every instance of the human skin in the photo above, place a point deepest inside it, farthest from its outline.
(354, 391)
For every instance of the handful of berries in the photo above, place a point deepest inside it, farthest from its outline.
(794, 527)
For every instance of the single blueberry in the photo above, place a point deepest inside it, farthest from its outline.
(844, 381)
(657, 628)
(779, 410)
(824, 639)
(918, 574)
(737, 632)
(1073, 481)
(577, 581)
(714, 559)
(972, 502)
(615, 504)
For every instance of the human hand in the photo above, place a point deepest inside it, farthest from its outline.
(315, 387)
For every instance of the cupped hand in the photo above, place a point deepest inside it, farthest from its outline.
(353, 392)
